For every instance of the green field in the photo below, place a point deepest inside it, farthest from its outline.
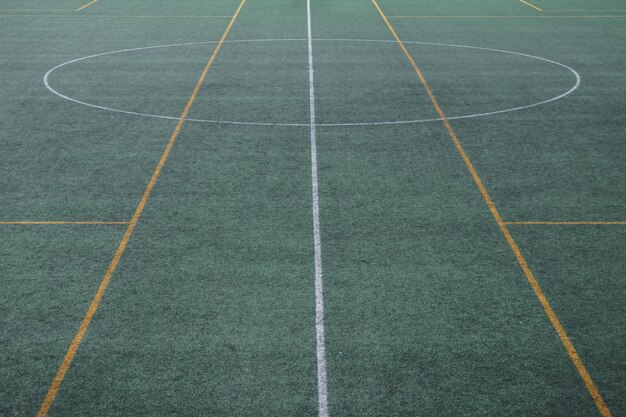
(416, 208)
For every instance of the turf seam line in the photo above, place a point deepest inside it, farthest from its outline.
(86, 5)
(82, 330)
(320, 342)
(532, 280)
(531, 5)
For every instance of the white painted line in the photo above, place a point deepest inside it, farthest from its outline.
(381, 123)
(322, 381)
(50, 71)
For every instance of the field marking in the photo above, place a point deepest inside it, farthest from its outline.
(320, 339)
(383, 123)
(566, 223)
(508, 17)
(532, 280)
(82, 330)
(86, 5)
(52, 222)
(531, 5)
(84, 16)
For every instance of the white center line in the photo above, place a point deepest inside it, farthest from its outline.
(322, 388)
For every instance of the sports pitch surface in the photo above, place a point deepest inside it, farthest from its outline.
(313, 208)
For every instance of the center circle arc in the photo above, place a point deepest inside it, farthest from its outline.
(573, 88)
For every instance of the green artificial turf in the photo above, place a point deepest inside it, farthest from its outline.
(211, 311)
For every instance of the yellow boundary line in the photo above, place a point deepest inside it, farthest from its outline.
(531, 5)
(82, 330)
(45, 222)
(86, 5)
(567, 343)
(566, 223)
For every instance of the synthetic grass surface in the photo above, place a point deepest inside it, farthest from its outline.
(211, 310)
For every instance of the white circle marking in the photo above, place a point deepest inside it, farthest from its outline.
(398, 122)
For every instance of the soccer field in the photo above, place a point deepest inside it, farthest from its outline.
(313, 208)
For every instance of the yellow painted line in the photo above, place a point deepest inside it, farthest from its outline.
(531, 5)
(566, 223)
(44, 222)
(567, 343)
(508, 17)
(86, 5)
(82, 330)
